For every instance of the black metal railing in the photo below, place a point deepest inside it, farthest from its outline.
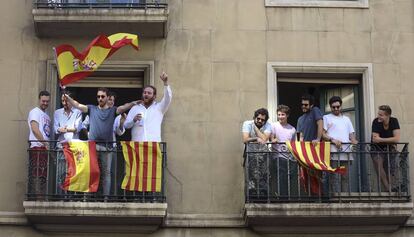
(68, 4)
(47, 170)
(273, 175)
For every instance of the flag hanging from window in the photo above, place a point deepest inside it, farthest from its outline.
(82, 166)
(316, 157)
(73, 66)
(143, 166)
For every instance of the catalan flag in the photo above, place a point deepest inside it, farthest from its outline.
(314, 157)
(313, 160)
(73, 66)
(83, 170)
(143, 166)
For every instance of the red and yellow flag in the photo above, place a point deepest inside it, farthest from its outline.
(143, 166)
(73, 66)
(82, 166)
(314, 157)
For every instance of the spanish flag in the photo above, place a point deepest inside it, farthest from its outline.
(82, 166)
(73, 66)
(143, 166)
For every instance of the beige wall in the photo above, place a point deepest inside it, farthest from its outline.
(215, 54)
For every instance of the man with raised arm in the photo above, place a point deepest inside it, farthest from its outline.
(146, 118)
(101, 119)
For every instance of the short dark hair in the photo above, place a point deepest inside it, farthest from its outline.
(284, 109)
(66, 92)
(103, 89)
(334, 99)
(150, 86)
(112, 93)
(44, 93)
(309, 98)
(385, 108)
(261, 111)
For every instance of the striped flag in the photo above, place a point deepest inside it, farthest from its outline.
(82, 166)
(314, 157)
(73, 66)
(143, 166)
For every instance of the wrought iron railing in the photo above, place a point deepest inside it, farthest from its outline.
(67, 4)
(273, 175)
(47, 169)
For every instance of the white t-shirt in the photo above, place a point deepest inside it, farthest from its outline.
(44, 122)
(338, 128)
(149, 128)
(283, 133)
(248, 127)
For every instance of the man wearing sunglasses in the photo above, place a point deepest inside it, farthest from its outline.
(256, 134)
(338, 129)
(101, 120)
(310, 124)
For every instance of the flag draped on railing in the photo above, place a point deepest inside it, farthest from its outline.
(143, 166)
(313, 160)
(73, 66)
(82, 166)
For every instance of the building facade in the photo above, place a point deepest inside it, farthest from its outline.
(224, 59)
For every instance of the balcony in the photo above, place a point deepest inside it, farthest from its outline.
(51, 209)
(89, 18)
(280, 198)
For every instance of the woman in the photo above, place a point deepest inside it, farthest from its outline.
(385, 133)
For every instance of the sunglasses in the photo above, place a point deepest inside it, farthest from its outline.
(100, 96)
(335, 107)
(260, 119)
(306, 105)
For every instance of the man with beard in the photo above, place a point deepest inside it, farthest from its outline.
(310, 124)
(39, 125)
(338, 129)
(66, 126)
(101, 119)
(256, 134)
(145, 118)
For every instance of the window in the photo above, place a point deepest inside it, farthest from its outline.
(288, 81)
(317, 3)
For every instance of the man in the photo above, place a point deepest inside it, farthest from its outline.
(101, 120)
(39, 125)
(284, 164)
(385, 133)
(310, 124)
(118, 128)
(310, 128)
(145, 118)
(66, 126)
(255, 134)
(338, 129)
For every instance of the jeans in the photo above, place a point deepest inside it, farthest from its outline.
(105, 154)
(60, 172)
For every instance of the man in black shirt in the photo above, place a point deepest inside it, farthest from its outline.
(385, 132)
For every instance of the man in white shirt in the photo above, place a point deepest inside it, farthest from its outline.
(338, 129)
(145, 118)
(39, 125)
(66, 126)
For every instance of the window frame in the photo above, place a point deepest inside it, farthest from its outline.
(318, 3)
(365, 69)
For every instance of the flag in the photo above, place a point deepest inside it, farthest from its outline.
(316, 157)
(73, 66)
(82, 166)
(143, 166)
(313, 160)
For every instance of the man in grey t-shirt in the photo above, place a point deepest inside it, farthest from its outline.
(101, 120)
(310, 124)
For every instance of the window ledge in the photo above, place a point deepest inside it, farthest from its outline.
(317, 3)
